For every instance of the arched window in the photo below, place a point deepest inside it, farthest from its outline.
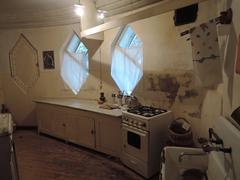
(127, 60)
(74, 66)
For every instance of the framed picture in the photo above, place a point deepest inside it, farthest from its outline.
(48, 60)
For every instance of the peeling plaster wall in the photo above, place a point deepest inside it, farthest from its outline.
(168, 79)
(226, 97)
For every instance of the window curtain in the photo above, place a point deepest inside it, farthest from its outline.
(74, 70)
(127, 67)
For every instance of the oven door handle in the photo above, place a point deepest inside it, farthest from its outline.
(128, 128)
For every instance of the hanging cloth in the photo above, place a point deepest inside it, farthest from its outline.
(206, 56)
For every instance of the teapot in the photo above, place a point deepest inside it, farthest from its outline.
(131, 101)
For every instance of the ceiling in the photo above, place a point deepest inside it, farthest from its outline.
(38, 13)
(114, 7)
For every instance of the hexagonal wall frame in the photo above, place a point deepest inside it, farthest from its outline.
(24, 65)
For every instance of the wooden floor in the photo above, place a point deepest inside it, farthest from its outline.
(45, 158)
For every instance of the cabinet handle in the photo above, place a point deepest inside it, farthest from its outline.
(64, 125)
(92, 131)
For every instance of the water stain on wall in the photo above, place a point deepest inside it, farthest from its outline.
(195, 114)
(188, 94)
(170, 83)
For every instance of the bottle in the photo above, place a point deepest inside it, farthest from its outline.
(113, 98)
(102, 97)
(119, 97)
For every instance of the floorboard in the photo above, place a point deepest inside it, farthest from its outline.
(44, 158)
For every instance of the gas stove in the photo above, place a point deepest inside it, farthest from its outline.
(144, 132)
(140, 116)
(146, 111)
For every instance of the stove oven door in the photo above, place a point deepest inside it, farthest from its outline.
(135, 142)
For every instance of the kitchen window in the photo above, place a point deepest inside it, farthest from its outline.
(127, 60)
(74, 66)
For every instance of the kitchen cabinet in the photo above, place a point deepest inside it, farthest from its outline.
(93, 130)
(58, 122)
(108, 135)
(45, 118)
(51, 120)
(80, 130)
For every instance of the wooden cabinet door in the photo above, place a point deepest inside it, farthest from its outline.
(72, 129)
(108, 135)
(80, 130)
(44, 118)
(86, 131)
(59, 124)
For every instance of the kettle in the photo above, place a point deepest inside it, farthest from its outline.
(131, 101)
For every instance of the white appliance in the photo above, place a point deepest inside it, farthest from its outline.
(144, 134)
(224, 166)
(8, 162)
(217, 164)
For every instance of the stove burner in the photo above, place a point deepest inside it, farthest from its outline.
(146, 111)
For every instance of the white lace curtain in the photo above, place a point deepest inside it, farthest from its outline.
(127, 67)
(74, 66)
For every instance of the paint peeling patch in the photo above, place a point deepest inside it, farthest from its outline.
(195, 115)
(188, 94)
(170, 86)
(185, 79)
(152, 86)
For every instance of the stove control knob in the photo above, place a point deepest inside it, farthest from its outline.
(140, 124)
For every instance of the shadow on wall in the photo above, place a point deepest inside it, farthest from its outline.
(93, 45)
(101, 71)
(97, 69)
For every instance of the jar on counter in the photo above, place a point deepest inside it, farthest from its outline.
(113, 98)
(119, 98)
(102, 98)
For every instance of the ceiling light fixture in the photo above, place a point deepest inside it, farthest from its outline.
(79, 9)
(101, 13)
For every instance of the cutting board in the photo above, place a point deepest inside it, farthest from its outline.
(238, 57)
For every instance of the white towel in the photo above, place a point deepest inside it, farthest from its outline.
(206, 56)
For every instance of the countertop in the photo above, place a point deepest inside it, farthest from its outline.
(88, 105)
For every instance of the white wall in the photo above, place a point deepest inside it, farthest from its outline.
(49, 83)
(165, 54)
